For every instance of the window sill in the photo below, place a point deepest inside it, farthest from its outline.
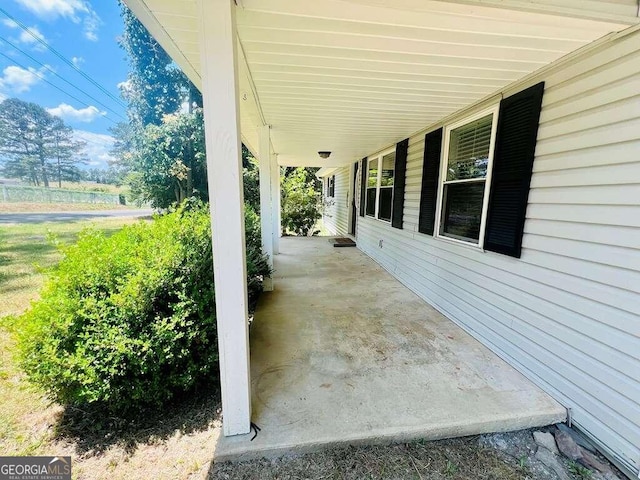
(460, 243)
(388, 222)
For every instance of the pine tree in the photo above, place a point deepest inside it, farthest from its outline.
(32, 142)
(66, 153)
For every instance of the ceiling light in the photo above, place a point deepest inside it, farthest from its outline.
(324, 154)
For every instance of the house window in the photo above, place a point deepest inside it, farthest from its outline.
(381, 172)
(476, 175)
(372, 186)
(332, 186)
(465, 177)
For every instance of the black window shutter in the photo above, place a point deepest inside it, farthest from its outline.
(332, 186)
(430, 175)
(399, 179)
(363, 185)
(512, 167)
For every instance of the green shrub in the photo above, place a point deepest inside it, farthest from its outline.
(128, 321)
(301, 202)
(257, 266)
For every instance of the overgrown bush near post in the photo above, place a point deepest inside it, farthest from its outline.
(301, 202)
(128, 321)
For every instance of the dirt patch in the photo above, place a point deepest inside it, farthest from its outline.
(464, 459)
(176, 443)
(504, 456)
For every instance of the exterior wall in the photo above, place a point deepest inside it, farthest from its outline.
(567, 314)
(336, 212)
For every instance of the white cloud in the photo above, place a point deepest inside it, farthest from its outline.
(97, 147)
(7, 22)
(91, 25)
(50, 9)
(78, 11)
(125, 86)
(20, 80)
(32, 37)
(2, 97)
(77, 61)
(126, 90)
(67, 112)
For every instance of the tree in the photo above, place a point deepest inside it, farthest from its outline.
(67, 153)
(170, 162)
(301, 201)
(160, 152)
(125, 143)
(31, 139)
(155, 85)
(251, 179)
(155, 91)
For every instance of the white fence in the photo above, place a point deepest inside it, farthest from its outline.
(20, 193)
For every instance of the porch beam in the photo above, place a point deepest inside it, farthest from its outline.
(266, 200)
(275, 204)
(224, 166)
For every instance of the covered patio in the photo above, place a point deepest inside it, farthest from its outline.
(341, 352)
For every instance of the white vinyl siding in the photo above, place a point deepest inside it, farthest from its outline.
(567, 314)
(336, 215)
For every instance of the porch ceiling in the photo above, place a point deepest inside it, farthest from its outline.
(354, 76)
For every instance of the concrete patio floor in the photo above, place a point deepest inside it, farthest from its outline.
(341, 352)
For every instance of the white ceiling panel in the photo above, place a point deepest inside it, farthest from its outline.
(354, 76)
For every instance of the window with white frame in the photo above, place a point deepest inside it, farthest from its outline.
(380, 175)
(331, 186)
(465, 177)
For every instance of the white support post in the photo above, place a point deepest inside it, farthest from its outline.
(266, 200)
(275, 203)
(224, 171)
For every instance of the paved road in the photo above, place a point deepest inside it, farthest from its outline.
(71, 216)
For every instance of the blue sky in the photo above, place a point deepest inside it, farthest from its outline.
(83, 32)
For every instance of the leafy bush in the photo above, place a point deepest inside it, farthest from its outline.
(301, 202)
(128, 321)
(250, 179)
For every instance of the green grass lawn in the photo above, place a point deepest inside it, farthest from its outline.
(26, 251)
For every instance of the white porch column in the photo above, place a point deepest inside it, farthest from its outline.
(275, 204)
(266, 200)
(224, 166)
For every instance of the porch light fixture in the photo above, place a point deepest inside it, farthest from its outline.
(324, 154)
